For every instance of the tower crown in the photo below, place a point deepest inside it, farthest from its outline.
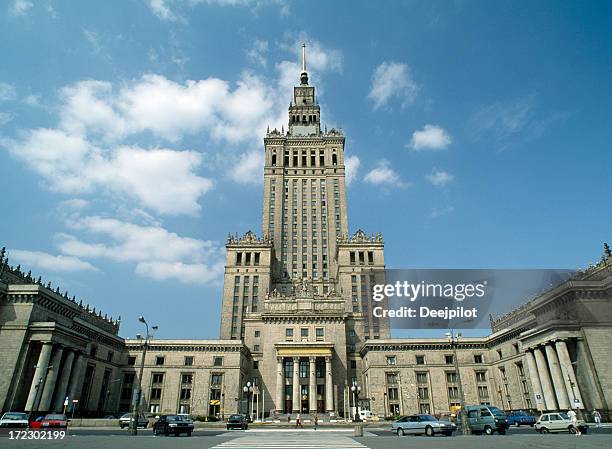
(304, 74)
(304, 112)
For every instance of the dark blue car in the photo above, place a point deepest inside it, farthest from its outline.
(520, 418)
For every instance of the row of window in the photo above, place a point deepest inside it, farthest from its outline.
(247, 258)
(303, 158)
(449, 359)
(188, 360)
(304, 333)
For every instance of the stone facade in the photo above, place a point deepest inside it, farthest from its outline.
(296, 323)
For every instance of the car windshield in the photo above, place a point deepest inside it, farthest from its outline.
(427, 418)
(564, 415)
(15, 416)
(236, 417)
(496, 411)
(56, 417)
(173, 418)
(127, 415)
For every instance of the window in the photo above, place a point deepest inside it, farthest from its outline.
(392, 394)
(477, 358)
(304, 332)
(156, 394)
(423, 393)
(187, 378)
(289, 333)
(160, 360)
(185, 394)
(353, 364)
(109, 356)
(255, 364)
(483, 392)
(188, 360)
(391, 360)
(320, 333)
(451, 378)
(131, 360)
(93, 351)
(217, 361)
(499, 353)
(256, 348)
(391, 378)
(257, 334)
(420, 360)
(481, 376)
(449, 359)
(421, 378)
(158, 378)
(304, 365)
(216, 379)
(453, 393)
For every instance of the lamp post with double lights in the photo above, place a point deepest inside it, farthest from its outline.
(248, 390)
(574, 402)
(39, 387)
(453, 339)
(138, 393)
(356, 389)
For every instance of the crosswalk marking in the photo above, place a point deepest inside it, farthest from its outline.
(291, 442)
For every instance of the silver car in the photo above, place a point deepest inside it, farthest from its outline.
(422, 425)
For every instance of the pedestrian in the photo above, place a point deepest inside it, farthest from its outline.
(597, 418)
(288, 418)
(573, 417)
(298, 421)
(316, 422)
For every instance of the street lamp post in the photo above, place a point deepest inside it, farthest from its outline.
(454, 339)
(138, 395)
(39, 387)
(248, 390)
(356, 389)
(574, 404)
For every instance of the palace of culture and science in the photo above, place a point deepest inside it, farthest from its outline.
(297, 324)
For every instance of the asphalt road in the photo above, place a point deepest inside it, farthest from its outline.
(521, 438)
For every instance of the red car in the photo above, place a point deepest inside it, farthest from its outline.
(49, 421)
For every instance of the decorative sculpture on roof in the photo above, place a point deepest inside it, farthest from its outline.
(248, 237)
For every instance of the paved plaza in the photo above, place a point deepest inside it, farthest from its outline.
(374, 438)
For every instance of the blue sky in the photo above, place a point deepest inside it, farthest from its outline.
(478, 136)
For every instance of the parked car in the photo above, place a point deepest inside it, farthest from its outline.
(486, 419)
(54, 420)
(237, 422)
(126, 421)
(365, 415)
(36, 422)
(520, 418)
(175, 424)
(422, 425)
(14, 420)
(558, 422)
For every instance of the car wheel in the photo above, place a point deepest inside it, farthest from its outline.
(429, 431)
(188, 434)
(517, 424)
(448, 434)
(400, 432)
(166, 433)
(544, 430)
(488, 430)
(571, 429)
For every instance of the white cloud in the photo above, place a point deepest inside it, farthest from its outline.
(248, 169)
(20, 7)
(7, 92)
(430, 138)
(437, 212)
(32, 100)
(162, 10)
(440, 178)
(504, 119)
(6, 117)
(383, 174)
(257, 54)
(156, 252)
(162, 180)
(93, 38)
(351, 164)
(49, 262)
(392, 80)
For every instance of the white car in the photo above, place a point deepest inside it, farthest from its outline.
(558, 422)
(14, 420)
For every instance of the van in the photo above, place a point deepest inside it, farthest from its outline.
(364, 415)
(486, 419)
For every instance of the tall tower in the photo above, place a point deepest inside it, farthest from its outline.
(304, 207)
(299, 296)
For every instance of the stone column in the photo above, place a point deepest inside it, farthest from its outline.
(54, 369)
(547, 388)
(312, 388)
(329, 386)
(535, 380)
(296, 386)
(62, 385)
(39, 375)
(76, 383)
(567, 371)
(557, 377)
(280, 386)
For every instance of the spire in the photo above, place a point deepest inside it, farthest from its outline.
(304, 74)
